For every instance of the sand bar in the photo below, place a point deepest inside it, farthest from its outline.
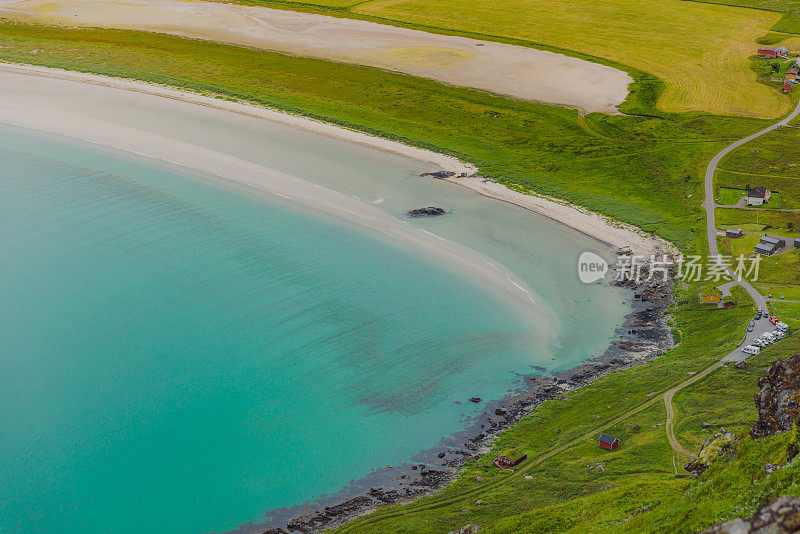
(515, 71)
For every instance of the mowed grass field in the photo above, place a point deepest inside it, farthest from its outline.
(699, 49)
(789, 23)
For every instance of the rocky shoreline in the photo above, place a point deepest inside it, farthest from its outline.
(644, 336)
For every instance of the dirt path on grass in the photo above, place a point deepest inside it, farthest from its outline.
(517, 71)
(670, 424)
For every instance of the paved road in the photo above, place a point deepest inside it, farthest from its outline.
(710, 205)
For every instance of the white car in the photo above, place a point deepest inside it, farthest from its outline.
(758, 343)
(783, 327)
(751, 349)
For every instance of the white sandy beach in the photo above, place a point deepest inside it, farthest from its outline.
(516, 71)
(610, 232)
(33, 114)
(607, 231)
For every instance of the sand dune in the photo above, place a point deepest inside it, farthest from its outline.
(504, 69)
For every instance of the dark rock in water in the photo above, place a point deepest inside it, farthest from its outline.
(781, 516)
(430, 211)
(439, 174)
(440, 455)
(776, 400)
(475, 399)
(500, 411)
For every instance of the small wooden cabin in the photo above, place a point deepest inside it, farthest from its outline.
(608, 442)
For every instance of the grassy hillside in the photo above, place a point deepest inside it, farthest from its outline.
(698, 49)
(635, 489)
(625, 167)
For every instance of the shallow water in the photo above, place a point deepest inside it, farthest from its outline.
(181, 357)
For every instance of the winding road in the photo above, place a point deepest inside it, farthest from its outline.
(762, 325)
(711, 234)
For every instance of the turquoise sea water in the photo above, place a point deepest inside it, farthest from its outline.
(175, 357)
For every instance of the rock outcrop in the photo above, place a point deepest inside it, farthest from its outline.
(781, 516)
(430, 211)
(439, 174)
(710, 451)
(777, 398)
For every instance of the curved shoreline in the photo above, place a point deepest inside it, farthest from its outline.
(643, 337)
(603, 229)
(593, 225)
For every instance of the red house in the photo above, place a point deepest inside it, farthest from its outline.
(787, 87)
(502, 462)
(607, 442)
(771, 52)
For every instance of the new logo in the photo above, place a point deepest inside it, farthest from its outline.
(591, 267)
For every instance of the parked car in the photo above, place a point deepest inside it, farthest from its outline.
(751, 326)
(751, 349)
(759, 343)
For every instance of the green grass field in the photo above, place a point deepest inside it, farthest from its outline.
(778, 275)
(771, 161)
(783, 223)
(729, 196)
